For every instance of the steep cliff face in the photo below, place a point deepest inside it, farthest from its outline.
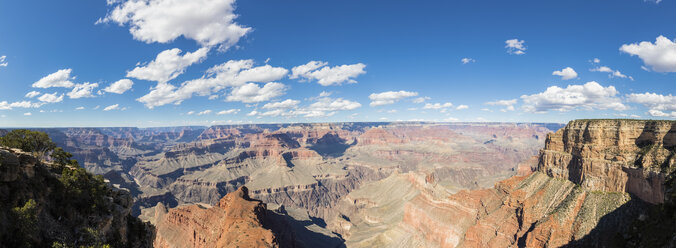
(42, 205)
(613, 155)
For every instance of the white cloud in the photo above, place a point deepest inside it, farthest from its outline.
(327, 107)
(27, 114)
(612, 73)
(229, 111)
(659, 105)
(467, 60)
(32, 94)
(209, 22)
(660, 56)
(250, 92)
(589, 96)
(461, 107)
(205, 112)
(3, 63)
(190, 112)
(51, 98)
(515, 46)
(509, 104)
(421, 99)
(653, 1)
(80, 108)
(60, 78)
(82, 90)
(389, 97)
(326, 75)
(286, 104)
(566, 73)
(120, 86)
(4, 105)
(595, 61)
(438, 105)
(112, 107)
(323, 107)
(230, 74)
(168, 65)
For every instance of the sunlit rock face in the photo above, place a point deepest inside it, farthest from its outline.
(613, 155)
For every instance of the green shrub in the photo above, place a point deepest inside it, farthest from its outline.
(35, 142)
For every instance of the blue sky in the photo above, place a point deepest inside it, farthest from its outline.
(204, 62)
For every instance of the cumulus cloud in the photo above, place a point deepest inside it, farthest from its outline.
(250, 92)
(660, 56)
(515, 46)
(326, 75)
(589, 96)
(612, 73)
(120, 86)
(658, 105)
(229, 111)
(389, 97)
(205, 112)
(508, 104)
(209, 22)
(51, 98)
(461, 107)
(168, 65)
(190, 112)
(27, 114)
(112, 107)
(3, 62)
(438, 105)
(32, 94)
(234, 73)
(467, 60)
(80, 108)
(286, 104)
(323, 106)
(566, 73)
(60, 78)
(4, 105)
(82, 90)
(421, 99)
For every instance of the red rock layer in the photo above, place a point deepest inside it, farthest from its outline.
(235, 222)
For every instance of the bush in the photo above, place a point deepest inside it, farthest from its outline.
(35, 142)
(84, 190)
(25, 220)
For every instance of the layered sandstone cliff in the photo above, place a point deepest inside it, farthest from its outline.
(613, 155)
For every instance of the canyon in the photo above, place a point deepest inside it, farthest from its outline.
(392, 184)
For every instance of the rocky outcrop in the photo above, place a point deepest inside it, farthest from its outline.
(613, 155)
(237, 221)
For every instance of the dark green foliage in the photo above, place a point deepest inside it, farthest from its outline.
(36, 142)
(62, 158)
(85, 191)
(25, 220)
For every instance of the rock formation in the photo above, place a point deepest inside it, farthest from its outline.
(237, 221)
